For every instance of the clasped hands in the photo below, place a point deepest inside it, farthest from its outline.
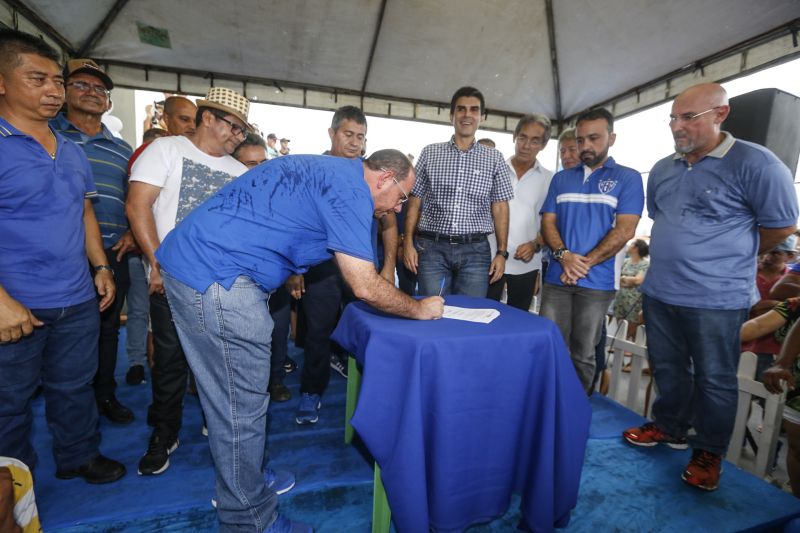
(575, 267)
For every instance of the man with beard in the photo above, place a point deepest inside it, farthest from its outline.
(462, 191)
(716, 203)
(590, 212)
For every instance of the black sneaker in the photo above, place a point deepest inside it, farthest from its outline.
(280, 393)
(115, 411)
(156, 460)
(97, 471)
(135, 375)
(339, 365)
(289, 365)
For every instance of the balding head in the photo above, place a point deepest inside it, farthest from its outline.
(705, 95)
(179, 115)
(696, 120)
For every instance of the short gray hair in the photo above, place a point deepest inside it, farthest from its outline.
(535, 118)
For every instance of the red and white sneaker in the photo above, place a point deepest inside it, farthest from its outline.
(650, 435)
(703, 470)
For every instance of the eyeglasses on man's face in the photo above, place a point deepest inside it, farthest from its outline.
(689, 117)
(86, 87)
(405, 195)
(235, 128)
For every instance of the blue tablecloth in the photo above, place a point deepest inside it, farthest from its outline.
(459, 415)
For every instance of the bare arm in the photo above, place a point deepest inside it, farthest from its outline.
(139, 209)
(412, 218)
(367, 285)
(769, 238)
(500, 218)
(787, 287)
(103, 279)
(761, 325)
(624, 229)
(388, 224)
(782, 369)
(7, 523)
(632, 281)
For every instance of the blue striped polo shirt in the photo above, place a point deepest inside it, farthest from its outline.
(108, 157)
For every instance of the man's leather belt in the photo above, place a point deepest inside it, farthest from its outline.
(452, 239)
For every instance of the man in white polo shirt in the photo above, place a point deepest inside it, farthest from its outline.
(530, 189)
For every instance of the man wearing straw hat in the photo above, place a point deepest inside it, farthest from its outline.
(173, 176)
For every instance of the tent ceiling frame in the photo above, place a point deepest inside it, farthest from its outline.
(101, 28)
(791, 28)
(43, 25)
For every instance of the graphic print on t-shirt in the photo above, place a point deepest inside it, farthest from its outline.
(198, 183)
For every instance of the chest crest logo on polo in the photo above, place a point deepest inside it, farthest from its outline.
(606, 186)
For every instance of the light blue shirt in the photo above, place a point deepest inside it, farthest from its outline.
(706, 217)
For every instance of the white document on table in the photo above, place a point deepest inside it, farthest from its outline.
(483, 316)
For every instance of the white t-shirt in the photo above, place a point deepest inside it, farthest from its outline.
(524, 219)
(186, 175)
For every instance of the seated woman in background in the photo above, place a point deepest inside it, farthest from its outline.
(628, 301)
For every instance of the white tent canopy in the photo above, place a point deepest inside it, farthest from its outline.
(404, 58)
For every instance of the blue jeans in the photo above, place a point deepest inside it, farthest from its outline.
(138, 312)
(464, 267)
(62, 356)
(226, 336)
(694, 354)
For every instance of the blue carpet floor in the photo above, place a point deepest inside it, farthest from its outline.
(622, 488)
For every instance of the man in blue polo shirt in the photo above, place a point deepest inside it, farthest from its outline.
(715, 204)
(222, 261)
(49, 320)
(589, 214)
(88, 97)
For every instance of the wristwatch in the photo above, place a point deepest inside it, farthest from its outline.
(98, 268)
(503, 253)
(558, 255)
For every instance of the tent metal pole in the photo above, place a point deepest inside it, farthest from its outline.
(101, 28)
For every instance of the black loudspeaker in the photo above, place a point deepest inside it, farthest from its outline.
(768, 117)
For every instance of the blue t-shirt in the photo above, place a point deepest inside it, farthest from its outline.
(108, 157)
(277, 219)
(706, 216)
(585, 212)
(43, 262)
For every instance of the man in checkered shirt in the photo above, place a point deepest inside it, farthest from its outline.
(463, 188)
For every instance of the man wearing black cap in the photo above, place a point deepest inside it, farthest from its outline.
(88, 96)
